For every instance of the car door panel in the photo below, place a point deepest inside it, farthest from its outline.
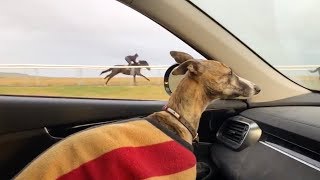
(29, 125)
(26, 113)
(19, 148)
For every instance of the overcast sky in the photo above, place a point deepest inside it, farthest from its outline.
(103, 32)
(94, 32)
(283, 32)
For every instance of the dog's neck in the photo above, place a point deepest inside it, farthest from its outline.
(189, 100)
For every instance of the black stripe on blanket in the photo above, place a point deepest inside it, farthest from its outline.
(170, 133)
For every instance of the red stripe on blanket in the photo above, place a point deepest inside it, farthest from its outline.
(136, 163)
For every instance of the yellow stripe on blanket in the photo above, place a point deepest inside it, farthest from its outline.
(87, 145)
(183, 175)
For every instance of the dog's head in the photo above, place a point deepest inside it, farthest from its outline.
(217, 79)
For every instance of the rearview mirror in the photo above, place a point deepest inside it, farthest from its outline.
(171, 81)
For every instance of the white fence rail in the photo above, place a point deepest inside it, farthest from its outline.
(53, 66)
(80, 68)
(81, 71)
(297, 67)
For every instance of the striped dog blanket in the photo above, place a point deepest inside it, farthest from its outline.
(134, 149)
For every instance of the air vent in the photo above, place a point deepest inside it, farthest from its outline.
(239, 132)
(235, 131)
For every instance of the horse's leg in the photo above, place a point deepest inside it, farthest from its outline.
(108, 80)
(107, 76)
(143, 76)
(134, 80)
(110, 77)
(112, 72)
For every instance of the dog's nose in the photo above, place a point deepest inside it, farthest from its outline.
(256, 89)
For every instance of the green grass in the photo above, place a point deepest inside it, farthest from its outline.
(118, 88)
(147, 92)
(311, 82)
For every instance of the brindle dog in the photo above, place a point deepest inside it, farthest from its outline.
(205, 81)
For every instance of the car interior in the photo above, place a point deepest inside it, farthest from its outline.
(274, 135)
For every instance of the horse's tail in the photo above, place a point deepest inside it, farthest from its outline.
(106, 71)
(313, 71)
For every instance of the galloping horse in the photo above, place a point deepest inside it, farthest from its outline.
(127, 71)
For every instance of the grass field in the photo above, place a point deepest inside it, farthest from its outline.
(118, 88)
(65, 81)
(311, 82)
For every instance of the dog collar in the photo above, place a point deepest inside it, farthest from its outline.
(183, 121)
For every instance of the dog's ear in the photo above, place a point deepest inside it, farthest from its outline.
(193, 66)
(180, 57)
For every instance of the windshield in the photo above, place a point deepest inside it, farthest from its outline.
(284, 33)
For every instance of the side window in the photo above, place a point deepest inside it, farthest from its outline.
(81, 48)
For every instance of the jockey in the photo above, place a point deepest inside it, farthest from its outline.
(131, 59)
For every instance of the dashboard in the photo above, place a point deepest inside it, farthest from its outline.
(288, 148)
